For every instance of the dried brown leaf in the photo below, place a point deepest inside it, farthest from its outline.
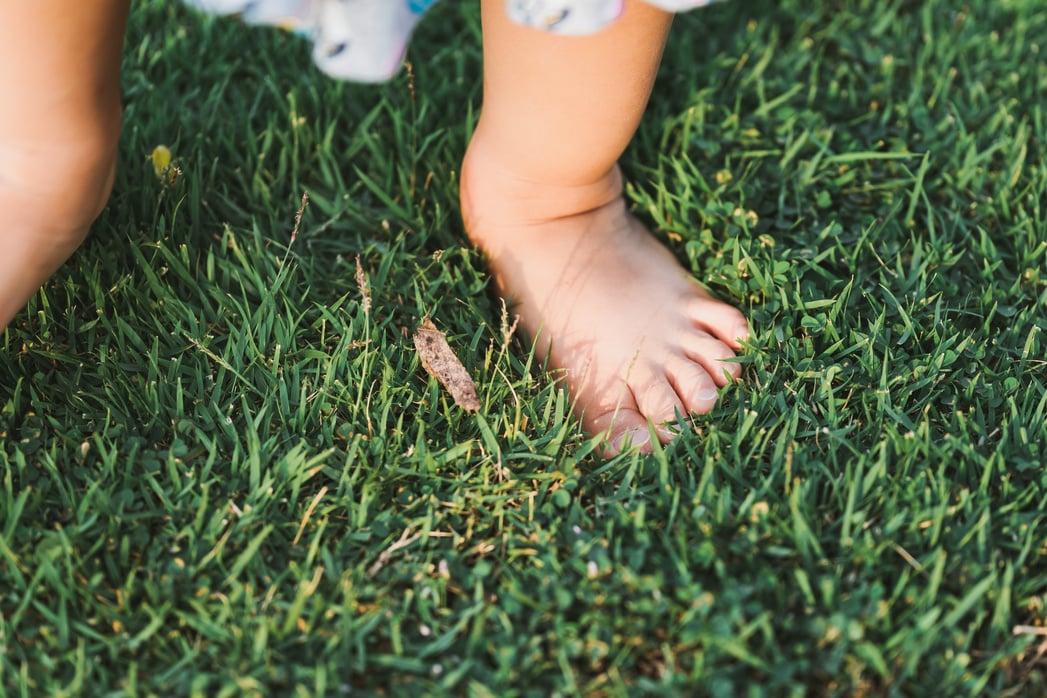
(440, 362)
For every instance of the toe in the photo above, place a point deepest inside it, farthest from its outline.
(623, 429)
(693, 384)
(720, 320)
(658, 401)
(712, 355)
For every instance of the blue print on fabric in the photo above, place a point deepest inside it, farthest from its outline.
(420, 6)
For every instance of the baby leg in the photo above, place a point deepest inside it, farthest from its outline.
(637, 339)
(59, 126)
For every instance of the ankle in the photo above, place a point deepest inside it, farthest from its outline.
(497, 193)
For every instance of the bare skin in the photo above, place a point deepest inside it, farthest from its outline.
(638, 340)
(59, 127)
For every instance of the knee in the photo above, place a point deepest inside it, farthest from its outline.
(59, 188)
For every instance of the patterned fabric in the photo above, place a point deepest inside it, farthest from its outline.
(580, 17)
(365, 40)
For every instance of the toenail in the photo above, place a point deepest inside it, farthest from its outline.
(741, 332)
(633, 439)
(707, 394)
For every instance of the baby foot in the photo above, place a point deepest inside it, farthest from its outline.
(637, 340)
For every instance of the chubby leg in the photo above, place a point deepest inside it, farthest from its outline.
(59, 126)
(636, 337)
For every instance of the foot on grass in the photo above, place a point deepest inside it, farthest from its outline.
(637, 340)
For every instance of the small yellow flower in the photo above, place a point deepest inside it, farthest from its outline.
(161, 158)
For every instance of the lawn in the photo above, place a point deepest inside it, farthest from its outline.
(224, 472)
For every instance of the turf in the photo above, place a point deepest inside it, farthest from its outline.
(224, 471)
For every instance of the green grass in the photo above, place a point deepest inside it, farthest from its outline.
(221, 475)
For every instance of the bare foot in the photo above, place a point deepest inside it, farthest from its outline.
(636, 337)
